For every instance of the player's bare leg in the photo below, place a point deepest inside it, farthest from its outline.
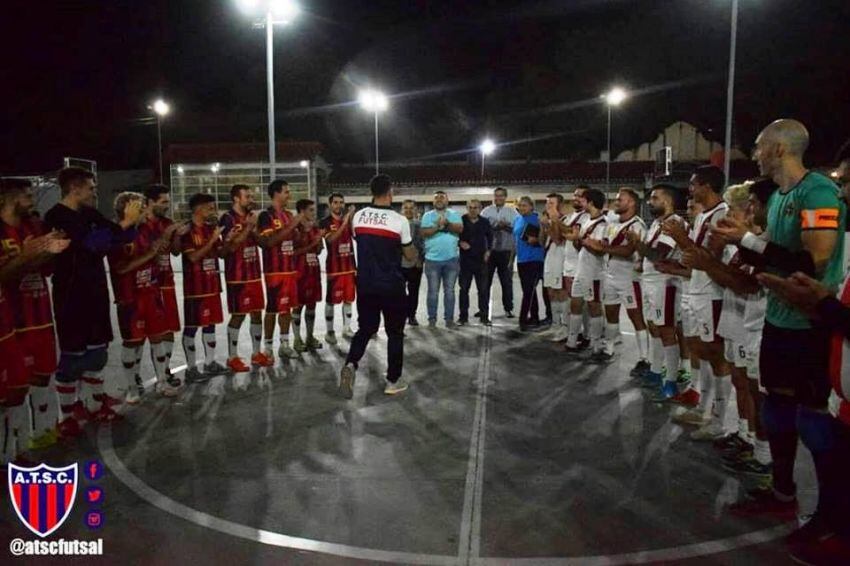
(234, 362)
(310, 323)
(258, 356)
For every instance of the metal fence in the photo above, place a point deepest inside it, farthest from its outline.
(217, 178)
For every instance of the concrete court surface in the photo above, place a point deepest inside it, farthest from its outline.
(501, 452)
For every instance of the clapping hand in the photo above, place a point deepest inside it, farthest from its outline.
(676, 230)
(731, 229)
(593, 244)
(799, 290)
(695, 258)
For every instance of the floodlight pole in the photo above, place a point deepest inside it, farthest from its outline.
(270, 90)
(608, 159)
(483, 157)
(730, 94)
(159, 144)
(377, 166)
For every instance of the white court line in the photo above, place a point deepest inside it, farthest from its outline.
(469, 541)
(472, 511)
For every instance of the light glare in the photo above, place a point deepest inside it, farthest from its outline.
(247, 6)
(161, 107)
(615, 96)
(373, 100)
(284, 10)
(487, 147)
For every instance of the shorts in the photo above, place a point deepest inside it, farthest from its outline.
(172, 316)
(202, 311)
(553, 280)
(661, 303)
(341, 288)
(281, 292)
(553, 268)
(627, 293)
(14, 383)
(744, 353)
(796, 359)
(588, 289)
(245, 297)
(38, 350)
(689, 321)
(309, 289)
(143, 318)
(707, 315)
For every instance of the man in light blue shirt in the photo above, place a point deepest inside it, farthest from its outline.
(441, 228)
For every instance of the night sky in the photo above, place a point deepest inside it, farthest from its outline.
(78, 75)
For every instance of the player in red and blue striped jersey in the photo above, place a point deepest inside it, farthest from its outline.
(277, 227)
(243, 276)
(27, 340)
(340, 266)
(308, 244)
(156, 222)
(201, 248)
(139, 302)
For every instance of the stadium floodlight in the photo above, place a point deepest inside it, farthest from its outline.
(486, 148)
(612, 98)
(277, 12)
(376, 102)
(161, 108)
(180, 170)
(615, 96)
(215, 167)
(304, 163)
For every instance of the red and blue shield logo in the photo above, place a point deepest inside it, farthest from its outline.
(43, 496)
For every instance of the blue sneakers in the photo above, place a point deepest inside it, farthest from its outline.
(652, 380)
(669, 389)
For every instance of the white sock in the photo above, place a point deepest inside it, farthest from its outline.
(722, 393)
(642, 338)
(233, 341)
(574, 327)
(209, 347)
(761, 451)
(329, 318)
(168, 346)
(67, 393)
(159, 361)
(128, 363)
(94, 381)
(707, 386)
(310, 319)
(596, 329)
(296, 324)
(268, 344)
(40, 404)
(685, 365)
(189, 350)
(671, 357)
(256, 337)
(347, 322)
(563, 317)
(284, 338)
(612, 330)
(743, 428)
(656, 356)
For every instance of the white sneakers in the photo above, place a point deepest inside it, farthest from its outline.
(397, 387)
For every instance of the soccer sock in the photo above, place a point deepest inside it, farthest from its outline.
(20, 418)
(707, 386)
(346, 315)
(671, 357)
(40, 403)
(722, 392)
(189, 350)
(8, 424)
(232, 341)
(256, 337)
(284, 338)
(596, 329)
(269, 344)
(209, 344)
(656, 356)
(67, 392)
(168, 347)
(128, 362)
(585, 321)
(642, 337)
(159, 360)
(761, 451)
(572, 336)
(612, 330)
(743, 428)
(296, 323)
(329, 318)
(559, 313)
(94, 380)
(310, 318)
(685, 365)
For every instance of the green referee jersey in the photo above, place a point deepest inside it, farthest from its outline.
(812, 204)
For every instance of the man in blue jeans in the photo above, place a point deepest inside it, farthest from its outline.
(441, 228)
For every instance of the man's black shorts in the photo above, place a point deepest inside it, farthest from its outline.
(796, 360)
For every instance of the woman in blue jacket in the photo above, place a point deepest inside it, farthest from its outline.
(529, 259)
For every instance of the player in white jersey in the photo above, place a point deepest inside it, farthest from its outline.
(574, 222)
(688, 330)
(587, 284)
(621, 284)
(741, 323)
(705, 187)
(553, 265)
(660, 290)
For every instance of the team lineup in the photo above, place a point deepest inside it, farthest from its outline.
(694, 288)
